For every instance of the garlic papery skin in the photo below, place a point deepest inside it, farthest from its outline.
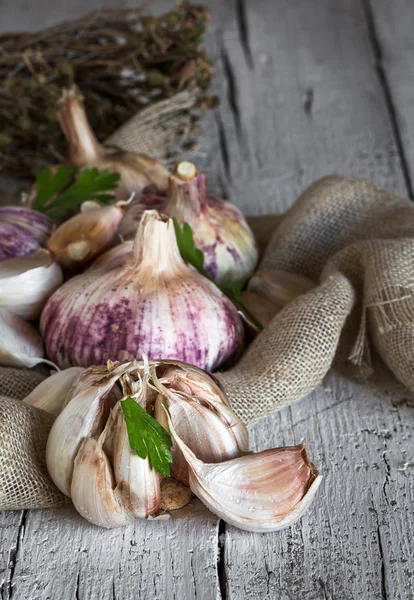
(261, 492)
(84, 236)
(279, 287)
(15, 241)
(84, 415)
(27, 282)
(31, 221)
(138, 485)
(20, 343)
(137, 171)
(92, 487)
(50, 394)
(219, 228)
(148, 301)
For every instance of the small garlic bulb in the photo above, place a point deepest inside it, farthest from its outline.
(145, 301)
(16, 241)
(219, 228)
(86, 235)
(27, 282)
(137, 170)
(31, 221)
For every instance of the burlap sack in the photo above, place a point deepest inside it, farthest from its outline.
(357, 240)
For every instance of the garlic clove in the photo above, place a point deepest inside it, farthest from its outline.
(85, 235)
(279, 287)
(220, 230)
(84, 415)
(265, 491)
(21, 344)
(138, 485)
(16, 241)
(137, 171)
(51, 393)
(92, 487)
(148, 301)
(27, 282)
(31, 221)
(174, 495)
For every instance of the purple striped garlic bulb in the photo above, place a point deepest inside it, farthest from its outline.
(22, 231)
(145, 301)
(219, 228)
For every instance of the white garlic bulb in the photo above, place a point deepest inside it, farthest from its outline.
(147, 301)
(27, 282)
(219, 228)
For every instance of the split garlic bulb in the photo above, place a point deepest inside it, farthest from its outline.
(219, 228)
(27, 282)
(145, 301)
(86, 235)
(137, 171)
(89, 457)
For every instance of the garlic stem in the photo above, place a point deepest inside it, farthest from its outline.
(83, 145)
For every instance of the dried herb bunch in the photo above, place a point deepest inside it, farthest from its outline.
(122, 61)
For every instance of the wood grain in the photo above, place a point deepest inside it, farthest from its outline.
(301, 97)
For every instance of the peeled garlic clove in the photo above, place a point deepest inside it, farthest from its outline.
(279, 287)
(85, 235)
(137, 171)
(261, 307)
(219, 228)
(174, 495)
(27, 282)
(20, 344)
(15, 241)
(148, 200)
(83, 416)
(51, 393)
(138, 485)
(266, 491)
(92, 488)
(31, 221)
(147, 301)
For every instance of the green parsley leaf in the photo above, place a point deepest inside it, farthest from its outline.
(195, 257)
(61, 192)
(147, 437)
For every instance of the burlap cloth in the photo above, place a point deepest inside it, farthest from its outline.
(353, 237)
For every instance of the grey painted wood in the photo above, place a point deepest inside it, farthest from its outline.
(301, 98)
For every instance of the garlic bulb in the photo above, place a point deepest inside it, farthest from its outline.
(265, 491)
(31, 221)
(201, 417)
(148, 301)
(279, 287)
(50, 394)
(220, 230)
(15, 241)
(137, 171)
(20, 343)
(27, 282)
(85, 235)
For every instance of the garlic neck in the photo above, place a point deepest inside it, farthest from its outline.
(83, 145)
(187, 193)
(155, 246)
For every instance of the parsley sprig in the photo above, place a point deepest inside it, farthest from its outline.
(195, 257)
(62, 191)
(147, 437)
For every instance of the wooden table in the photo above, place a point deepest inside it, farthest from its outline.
(307, 88)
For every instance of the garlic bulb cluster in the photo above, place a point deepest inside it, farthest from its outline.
(22, 231)
(219, 228)
(86, 235)
(137, 171)
(145, 301)
(89, 457)
(27, 282)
